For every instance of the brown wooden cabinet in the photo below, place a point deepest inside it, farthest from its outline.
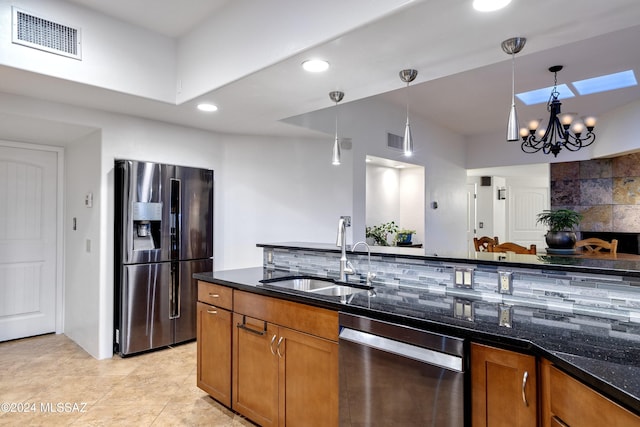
(565, 401)
(255, 370)
(285, 362)
(503, 388)
(214, 327)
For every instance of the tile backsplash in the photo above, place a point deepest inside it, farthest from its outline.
(605, 296)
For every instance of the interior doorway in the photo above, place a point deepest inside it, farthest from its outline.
(508, 201)
(395, 191)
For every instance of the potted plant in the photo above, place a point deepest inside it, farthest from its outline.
(561, 223)
(403, 236)
(379, 233)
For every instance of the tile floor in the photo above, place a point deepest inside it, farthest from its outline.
(60, 384)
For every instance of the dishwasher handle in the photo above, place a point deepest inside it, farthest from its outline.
(431, 357)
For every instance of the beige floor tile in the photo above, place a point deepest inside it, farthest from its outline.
(131, 414)
(157, 388)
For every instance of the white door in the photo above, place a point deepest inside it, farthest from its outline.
(525, 203)
(28, 197)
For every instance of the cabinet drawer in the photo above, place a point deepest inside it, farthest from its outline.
(300, 317)
(220, 296)
(575, 404)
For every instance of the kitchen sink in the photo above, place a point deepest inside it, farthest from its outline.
(316, 286)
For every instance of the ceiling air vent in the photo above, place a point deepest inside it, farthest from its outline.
(39, 33)
(394, 141)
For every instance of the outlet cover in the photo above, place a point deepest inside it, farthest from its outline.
(505, 315)
(505, 282)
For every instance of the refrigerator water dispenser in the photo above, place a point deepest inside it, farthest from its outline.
(147, 220)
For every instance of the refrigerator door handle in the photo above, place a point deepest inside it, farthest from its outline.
(174, 292)
(175, 217)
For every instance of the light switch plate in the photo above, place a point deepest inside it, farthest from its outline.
(505, 282)
(463, 309)
(463, 278)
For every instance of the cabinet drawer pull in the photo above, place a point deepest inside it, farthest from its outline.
(278, 346)
(212, 311)
(244, 326)
(557, 422)
(525, 377)
(273, 339)
(214, 295)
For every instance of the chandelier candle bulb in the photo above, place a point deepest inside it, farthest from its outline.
(533, 125)
(524, 132)
(590, 122)
(566, 119)
(577, 128)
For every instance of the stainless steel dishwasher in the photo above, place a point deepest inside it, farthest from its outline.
(392, 375)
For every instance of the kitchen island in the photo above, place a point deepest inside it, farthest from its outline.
(583, 317)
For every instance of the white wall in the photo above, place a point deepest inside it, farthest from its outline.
(412, 206)
(493, 150)
(612, 138)
(115, 55)
(615, 131)
(81, 264)
(440, 151)
(278, 190)
(382, 195)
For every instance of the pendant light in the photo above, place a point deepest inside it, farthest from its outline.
(511, 47)
(336, 96)
(408, 76)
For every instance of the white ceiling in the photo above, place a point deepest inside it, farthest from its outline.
(464, 78)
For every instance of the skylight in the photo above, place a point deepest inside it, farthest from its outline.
(583, 87)
(605, 83)
(542, 95)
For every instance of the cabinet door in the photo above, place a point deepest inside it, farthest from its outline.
(503, 388)
(214, 352)
(255, 370)
(568, 402)
(308, 380)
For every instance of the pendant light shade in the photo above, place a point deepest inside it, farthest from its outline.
(511, 47)
(337, 154)
(407, 142)
(408, 76)
(336, 157)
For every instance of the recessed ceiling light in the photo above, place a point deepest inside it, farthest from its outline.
(538, 96)
(605, 83)
(315, 65)
(489, 5)
(207, 107)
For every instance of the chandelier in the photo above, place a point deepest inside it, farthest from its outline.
(561, 131)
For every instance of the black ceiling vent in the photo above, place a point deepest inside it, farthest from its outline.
(394, 141)
(39, 33)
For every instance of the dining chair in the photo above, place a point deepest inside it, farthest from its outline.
(593, 245)
(512, 247)
(482, 243)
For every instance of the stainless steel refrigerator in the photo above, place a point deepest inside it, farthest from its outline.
(163, 234)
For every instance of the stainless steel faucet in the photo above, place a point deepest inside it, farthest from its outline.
(345, 266)
(370, 274)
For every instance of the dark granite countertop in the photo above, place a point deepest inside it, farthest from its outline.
(608, 360)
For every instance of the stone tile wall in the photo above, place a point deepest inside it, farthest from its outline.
(605, 191)
(605, 296)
